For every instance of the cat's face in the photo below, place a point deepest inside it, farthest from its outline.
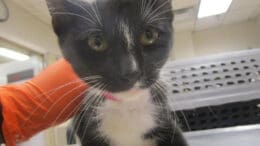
(123, 41)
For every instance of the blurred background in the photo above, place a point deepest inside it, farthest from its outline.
(26, 31)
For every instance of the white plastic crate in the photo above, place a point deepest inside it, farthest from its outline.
(213, 80)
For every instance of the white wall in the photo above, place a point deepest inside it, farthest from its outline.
(225, 39)
(258, 28)
(26, 30)
(183, 45)
(34, 63)
(228, 38)
(258, 20)
(10, 45)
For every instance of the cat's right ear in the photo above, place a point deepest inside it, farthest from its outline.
(58, 11)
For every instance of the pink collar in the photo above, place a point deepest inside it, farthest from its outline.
(109, 96)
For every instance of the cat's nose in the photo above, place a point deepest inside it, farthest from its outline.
(130, 76)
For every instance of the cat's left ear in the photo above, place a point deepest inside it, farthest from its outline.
(58, 11)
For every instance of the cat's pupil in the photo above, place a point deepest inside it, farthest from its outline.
(149, 34)
(98, 42)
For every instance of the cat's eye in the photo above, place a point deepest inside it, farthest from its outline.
(97, 42)
(149, 36)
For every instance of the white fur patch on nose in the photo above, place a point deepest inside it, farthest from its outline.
(127, 34)
(134, 66)
(124, 28)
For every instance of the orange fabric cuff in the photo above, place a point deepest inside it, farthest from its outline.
(50, 98)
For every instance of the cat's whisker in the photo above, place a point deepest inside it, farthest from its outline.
(148, 8)
(82, 103)
(60, 99)
(65, 108)
(94, 9)
(94, 89)
(102, 90)
(89, 101)
(38, 107)
(74, 14)
(99, 97)
(186, 120)
(78, 4)
(213, 112)
(142, 7)
(158, 19)
(84, 92)
(157, 9)
(76, 109)
(99, 94)
(92, 92)
(64, 95)
(161, 92)
(95, 95)
(98, 14)
(53, 91)
(174, 129)
(159, 14)
(160, 87)
(157, 101)
(50, 92)
(78, 119)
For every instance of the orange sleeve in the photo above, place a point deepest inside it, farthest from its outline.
(49, 99)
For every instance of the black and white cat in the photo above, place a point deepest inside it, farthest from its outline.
(118, 47)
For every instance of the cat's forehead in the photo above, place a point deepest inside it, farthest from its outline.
(123, 7)
(115, 5)
(116, 15)
(109, 15)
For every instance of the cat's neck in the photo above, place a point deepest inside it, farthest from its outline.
(125, 122)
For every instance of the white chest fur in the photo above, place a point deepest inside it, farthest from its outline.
(125, 122)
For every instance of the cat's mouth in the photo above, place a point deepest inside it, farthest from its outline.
(113, 96)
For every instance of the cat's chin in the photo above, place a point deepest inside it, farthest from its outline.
(134, 93)
(126, 88)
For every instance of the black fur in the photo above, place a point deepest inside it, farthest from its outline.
(70, 22)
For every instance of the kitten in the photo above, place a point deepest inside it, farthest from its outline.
(118, 47)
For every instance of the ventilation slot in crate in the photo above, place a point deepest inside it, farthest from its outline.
(227, 115)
